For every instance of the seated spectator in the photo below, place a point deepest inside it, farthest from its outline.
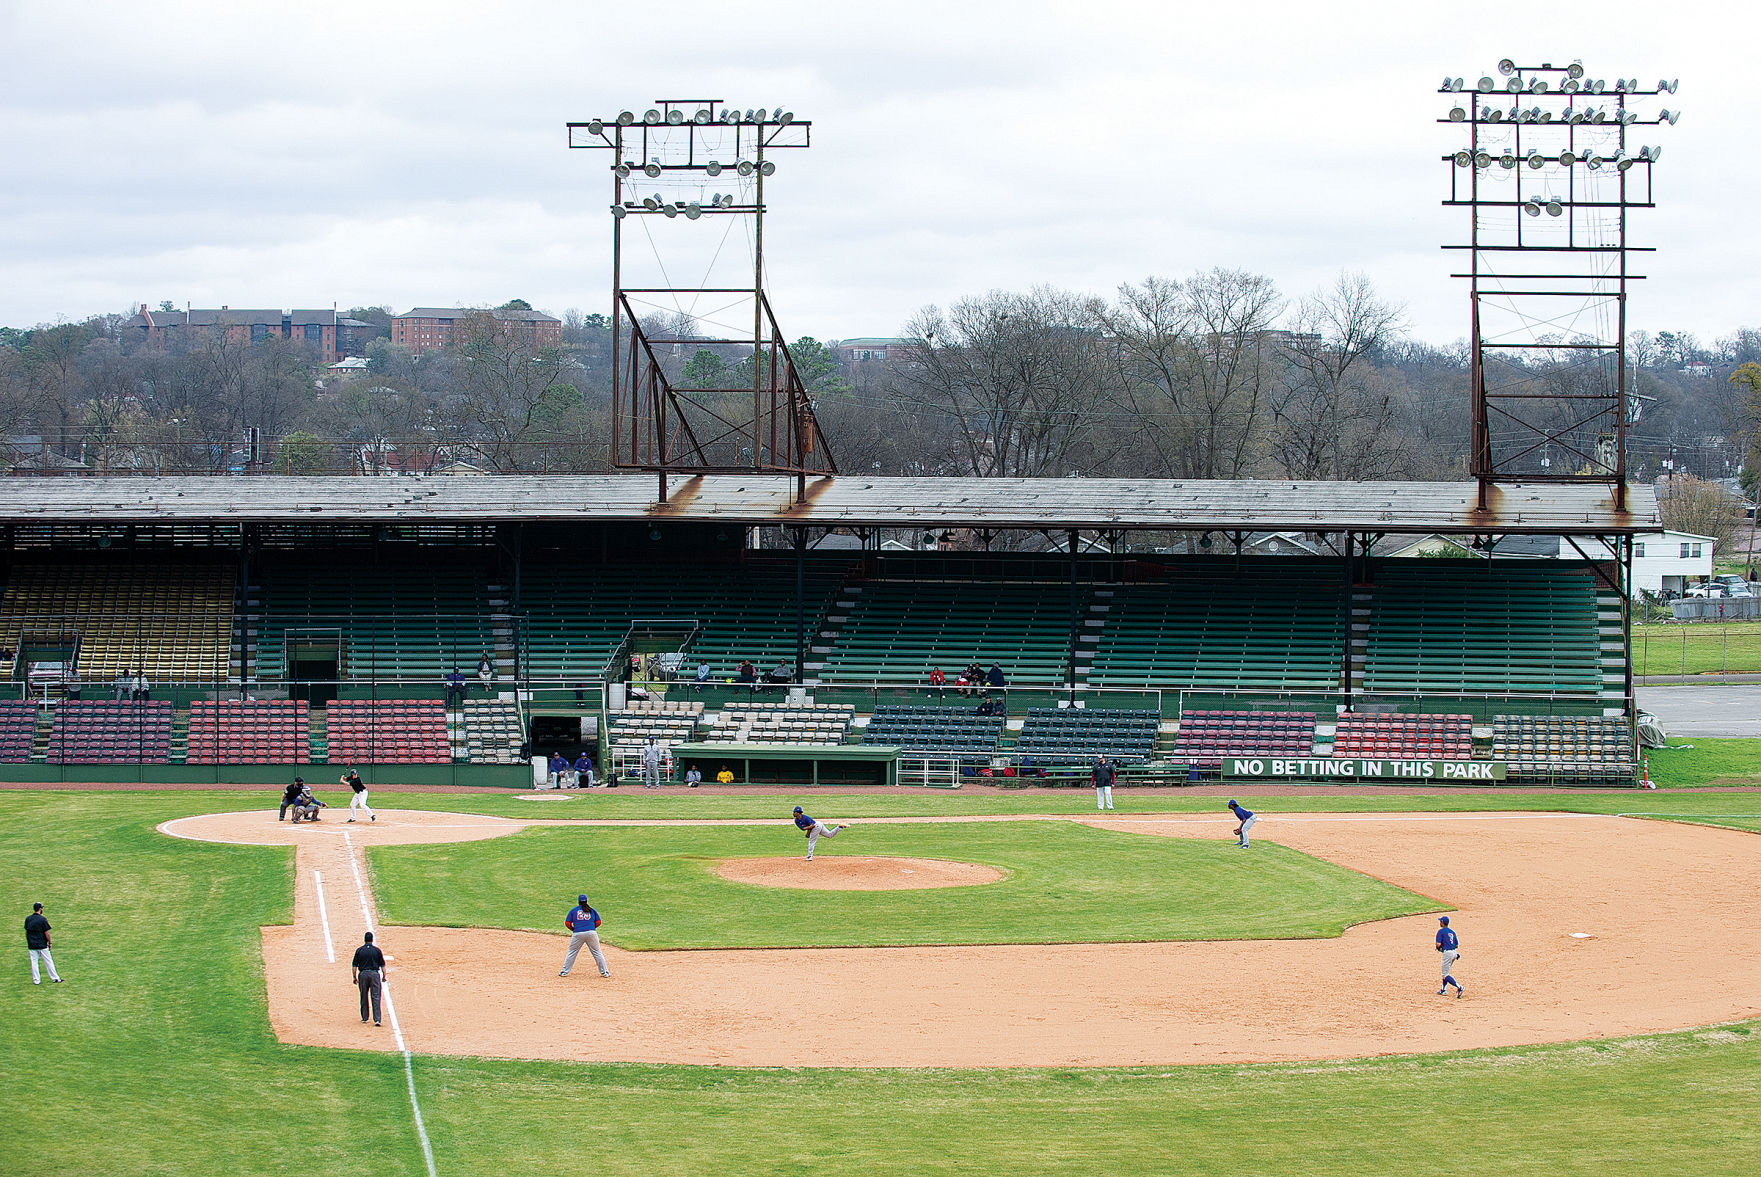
(125, 685)
(702, 674)
(1000, 706)
(987, 707)
(725, 776)
(142, 688)
(780, 673)
(693, 777)
(485, 672)
(939, 681)
(748, 672)
(995, 676)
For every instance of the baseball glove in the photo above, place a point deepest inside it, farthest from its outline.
(1238, 831)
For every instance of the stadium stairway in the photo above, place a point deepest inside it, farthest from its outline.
(501, 627)
(1613, 641)
(179, 752)
(44, 733)
(318, 736)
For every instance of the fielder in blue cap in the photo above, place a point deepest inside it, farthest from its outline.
(1246, 817)
(583, 924)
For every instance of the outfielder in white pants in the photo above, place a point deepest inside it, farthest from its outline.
(1103, 782)
(48, 963)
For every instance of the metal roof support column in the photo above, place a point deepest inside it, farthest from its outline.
(1345, 603)
(800, 604)
(1075, 623)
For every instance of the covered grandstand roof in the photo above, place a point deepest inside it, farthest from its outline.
(1131, 504)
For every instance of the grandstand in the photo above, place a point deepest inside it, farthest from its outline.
(282, 621)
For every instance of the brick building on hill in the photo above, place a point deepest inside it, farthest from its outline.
(331, 334)
(435, 328)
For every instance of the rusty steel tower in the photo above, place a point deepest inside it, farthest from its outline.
(691, 161)
(1549, 172)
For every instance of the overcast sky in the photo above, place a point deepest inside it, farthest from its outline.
(278, 156)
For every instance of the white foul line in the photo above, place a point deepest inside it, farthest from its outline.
(323, 917)
(397, 1034)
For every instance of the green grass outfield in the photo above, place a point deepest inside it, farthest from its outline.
(1063, 882)
(1699, 647)
(156, 1058)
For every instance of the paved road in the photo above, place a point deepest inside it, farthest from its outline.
(1705, 710)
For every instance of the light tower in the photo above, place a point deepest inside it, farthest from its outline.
(1548, 174)
(685, 161)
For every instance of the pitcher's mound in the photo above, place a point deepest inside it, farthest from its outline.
(841, 872)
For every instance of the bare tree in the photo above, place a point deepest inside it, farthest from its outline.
(1333, 416)
(1017, 379)
(1196, 362)
(1690, 504)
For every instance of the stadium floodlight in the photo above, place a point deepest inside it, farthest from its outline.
(1593, 161)
(786, 117)
(744, 167)
(1514, 85)
(1597, 86)
(651, 169)
(1507, 67)
(651, 203)
(1575, 70)
(748, 116)
(1650, 153)
(761, 114)
(1482, 160)
(1620, 85)
(618, 211)
(1598, 116)
(1532, 206)
(1628, 117)
(671, 210)
(595, 127)
(1543, 116)
(1554, 207)
(625, 118)
(1668, 86)
(1624, 161)
(1485, 86)
(1538, 85)
(1522, 116)
(1463, 158)
(1457, 114)
(1536, 159)
(693, 211)
(622, 170)
(767, 168)
(1569, 86)
(712, 168)
(1575, 117)
(675, 118)
(1567, 158)
(701, 118)
(1494, 116)
(1507, 160)
(1669, 116)
(651, 117)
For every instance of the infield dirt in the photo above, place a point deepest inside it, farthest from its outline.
(1660, 902)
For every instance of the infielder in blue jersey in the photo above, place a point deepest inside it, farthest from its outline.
(814, 830)
(1246, 818)
(1450, 946)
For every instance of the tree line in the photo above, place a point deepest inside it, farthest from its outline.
(1215, 375)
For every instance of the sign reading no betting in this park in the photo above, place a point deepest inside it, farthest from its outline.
(1362, 770)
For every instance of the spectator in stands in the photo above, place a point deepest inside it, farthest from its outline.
(125, 685)
(1000, 705)
(455, 688)
(974, 676)
(583, 770)
(782, 672)
(748, 672)
(725, 776)
(702, 674)
(142, 688)
(485, 672)
(994, 677)
(987, 707)
(557, 766)
(939, 681)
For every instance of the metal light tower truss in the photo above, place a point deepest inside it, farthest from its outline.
(674, 161)
(1548, 174)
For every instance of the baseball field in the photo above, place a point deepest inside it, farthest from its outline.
(1008, 986)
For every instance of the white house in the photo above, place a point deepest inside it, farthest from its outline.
(1664, 562)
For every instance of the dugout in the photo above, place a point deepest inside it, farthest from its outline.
(781, 764)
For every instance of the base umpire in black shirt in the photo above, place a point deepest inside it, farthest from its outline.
(368, 968)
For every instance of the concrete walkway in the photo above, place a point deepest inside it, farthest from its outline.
(1705, 710)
